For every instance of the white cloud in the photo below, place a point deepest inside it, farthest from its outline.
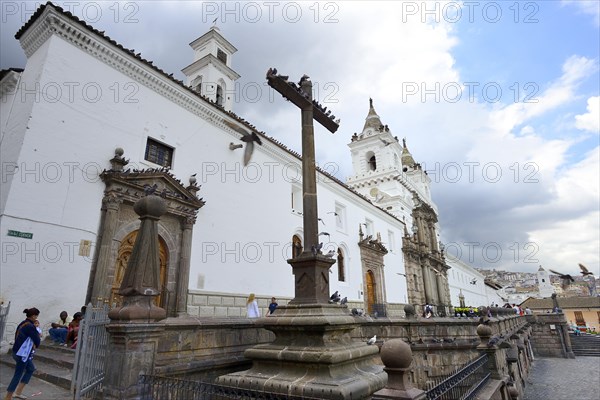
(590, 7)
(590, 121)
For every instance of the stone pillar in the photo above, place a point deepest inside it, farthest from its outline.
(133, 330)
(439, 277)
(132, 351)
(496, 365)
(183, 274)
(396, 355)
(427, 284)
(111, 202)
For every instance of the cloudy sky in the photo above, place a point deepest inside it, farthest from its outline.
(498, 100)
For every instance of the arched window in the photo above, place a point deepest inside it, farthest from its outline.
(296, 246)
(219, 95)
(371, 162)
(340, 264)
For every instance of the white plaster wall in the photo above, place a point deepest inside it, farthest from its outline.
(241, 233)
(459, 278)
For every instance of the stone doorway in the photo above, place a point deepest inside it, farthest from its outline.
(371, 296)
(116, 300)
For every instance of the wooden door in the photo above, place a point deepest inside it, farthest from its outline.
(116, 300)
(370, 280)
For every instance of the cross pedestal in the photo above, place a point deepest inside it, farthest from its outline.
(313, 354)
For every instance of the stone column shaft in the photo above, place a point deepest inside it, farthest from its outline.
(183, 275)
(101, 285)
(440, 287)
(309, 179)
(427, 284)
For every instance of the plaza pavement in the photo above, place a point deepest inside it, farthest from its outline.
(564, 379)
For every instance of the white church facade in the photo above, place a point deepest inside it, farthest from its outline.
(88, 127)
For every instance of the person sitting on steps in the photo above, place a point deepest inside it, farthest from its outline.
(60, 328)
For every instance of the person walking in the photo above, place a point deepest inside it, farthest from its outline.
(272, 306)
(24, 367)
(252, 306)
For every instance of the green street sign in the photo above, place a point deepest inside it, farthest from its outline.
(22, 235)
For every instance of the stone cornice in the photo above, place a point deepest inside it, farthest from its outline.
(216, 36)
(208, 59)
(51, 21)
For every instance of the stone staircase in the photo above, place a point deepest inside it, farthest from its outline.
(53, 363)
(586, 345)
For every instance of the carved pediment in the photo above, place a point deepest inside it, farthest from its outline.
(131, 185)
(373, 244)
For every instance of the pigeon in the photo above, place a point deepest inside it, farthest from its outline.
(148, 190)
(385, 142)
(344, 301)
(584, 270)
(248, 137)
(372, 340)
(566, 279)
(335, 297)
(473, 281)
(316, 249)
(330, 253)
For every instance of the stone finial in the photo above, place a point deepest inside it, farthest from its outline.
(396, 355)
(141, 280)
(409, 311)
(484, 332)
(118, 161)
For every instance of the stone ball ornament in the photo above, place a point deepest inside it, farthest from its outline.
(396, 353)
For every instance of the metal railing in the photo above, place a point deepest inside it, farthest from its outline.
(92, 344)
(463, 384)
(154, 387)
(3, 317)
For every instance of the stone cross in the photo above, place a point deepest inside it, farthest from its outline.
(311, 285)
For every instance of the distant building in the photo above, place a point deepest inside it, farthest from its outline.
(545, 288)
(582, 311)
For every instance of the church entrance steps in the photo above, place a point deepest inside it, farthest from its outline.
(586, 345)
(54, 364)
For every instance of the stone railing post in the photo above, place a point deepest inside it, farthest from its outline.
(396, 355)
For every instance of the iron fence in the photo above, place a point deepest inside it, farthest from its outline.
(92, 344)
(3, 317)
(154, 387)
(463, 384)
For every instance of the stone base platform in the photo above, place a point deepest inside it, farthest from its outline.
(313, 355)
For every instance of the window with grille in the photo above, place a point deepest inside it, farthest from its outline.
(158, 153)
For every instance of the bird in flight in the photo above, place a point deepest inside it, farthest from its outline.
(584, 270)
(566, 279)
(248, 137)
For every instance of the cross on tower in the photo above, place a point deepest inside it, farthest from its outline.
(311, 286)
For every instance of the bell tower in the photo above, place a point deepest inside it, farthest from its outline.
(384, 171)
(545, 288)
(210, 73)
